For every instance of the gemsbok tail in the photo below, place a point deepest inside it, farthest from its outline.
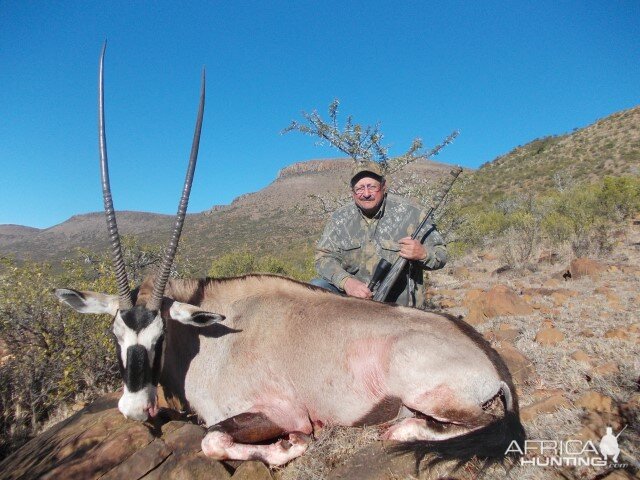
(490, 444)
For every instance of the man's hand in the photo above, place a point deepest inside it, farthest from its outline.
(355, 288)
(412, 249)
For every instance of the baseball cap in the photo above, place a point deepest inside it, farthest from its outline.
(367, 169)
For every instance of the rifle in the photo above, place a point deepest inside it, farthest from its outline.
(387, 274)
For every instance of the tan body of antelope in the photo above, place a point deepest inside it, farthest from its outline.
(261, 357)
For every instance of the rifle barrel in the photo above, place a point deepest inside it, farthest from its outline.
(399, 265)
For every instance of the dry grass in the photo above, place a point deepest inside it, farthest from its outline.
(332, 448)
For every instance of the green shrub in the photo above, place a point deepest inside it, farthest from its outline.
(619, 197)
(581, 217)
(558, 228)
(242, 263)
(56, 356)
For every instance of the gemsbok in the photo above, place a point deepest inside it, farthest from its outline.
(264, 358)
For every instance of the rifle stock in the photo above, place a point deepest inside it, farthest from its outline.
(382, 292)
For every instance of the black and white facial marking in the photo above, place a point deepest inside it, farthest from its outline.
(139, 337)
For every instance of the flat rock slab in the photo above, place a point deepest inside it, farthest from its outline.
(193, 466)
(379, 462)
(252, 470)
(375, 462)
(65, 443)
(98, 442)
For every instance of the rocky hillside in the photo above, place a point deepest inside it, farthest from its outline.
(80, 231)
(15, 233)
(610, 146)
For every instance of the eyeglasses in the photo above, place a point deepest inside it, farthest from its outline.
(372, 188)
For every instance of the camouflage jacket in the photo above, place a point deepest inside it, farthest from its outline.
(352, 244)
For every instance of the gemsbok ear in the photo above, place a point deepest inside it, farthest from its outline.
(88, 302)
(192, 315)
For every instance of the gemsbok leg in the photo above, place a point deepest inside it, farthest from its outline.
(226, 439)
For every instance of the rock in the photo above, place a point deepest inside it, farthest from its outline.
(460, 272)
(521, 367)
(559, 298)
(171, 426)
(595, 401)
(546, 405)
(471, 296)
(375, 462)
(488, 256)
(447, 303)
(585, 267)
(186, 439)
(619, 475)
(141, 462)
(587, 332)
(582, 357)
(499, 300)
(57, 446)
(502, 269)
(609, 294)
(549, 336)
(617, 333)
(252, 470)
(595, 425)
(111, 452)
(631, 409)
(446, 292)
(504, 333)
(193, 466)
(99, 442)
(475, 315)
(543, 393)
(609, 368)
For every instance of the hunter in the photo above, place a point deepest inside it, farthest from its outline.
(376, 225)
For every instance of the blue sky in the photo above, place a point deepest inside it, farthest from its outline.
(503, 73)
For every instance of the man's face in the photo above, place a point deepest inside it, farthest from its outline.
(368, 194)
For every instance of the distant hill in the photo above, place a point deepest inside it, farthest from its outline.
(610, 146)
(14, 233)
(86, 231)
